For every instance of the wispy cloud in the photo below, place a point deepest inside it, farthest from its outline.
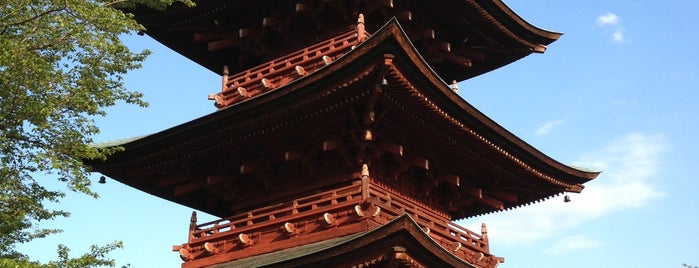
(608, 19)
(572, 243)
(546, 128)
(618, 35)
(629, 164)
(612, 20)
(625, 102)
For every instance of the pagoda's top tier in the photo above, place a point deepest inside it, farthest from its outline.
(459, 38)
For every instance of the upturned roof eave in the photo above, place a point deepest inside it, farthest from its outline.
(175, 26)
(536, 34)
(468, 110)
(391, 32)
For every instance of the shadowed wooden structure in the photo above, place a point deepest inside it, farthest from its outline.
(337, 142)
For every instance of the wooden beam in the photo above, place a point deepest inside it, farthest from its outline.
(331, 145)
(171, 179)
(441, 45)
(471, 54)
(451, 179)
(206, 37)
(302, 8)
(507, 196)
(392, 148)
(386, 3)
(292, 155)
(246, 32)
(221, 44)
(475, 192)
(214, 179)
(247, 168)
(495, 203)
(418, 162)
(187, 188)
(269, 22)
(404, 15)
(428, 33)
(459, 60)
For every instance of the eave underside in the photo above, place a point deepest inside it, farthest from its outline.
(424, 140)
(459, 38)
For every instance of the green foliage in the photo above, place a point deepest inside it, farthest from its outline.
(61, 64)
(95, 258)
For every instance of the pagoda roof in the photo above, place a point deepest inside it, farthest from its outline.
(429, 128)
(401, 241)
(459, 38)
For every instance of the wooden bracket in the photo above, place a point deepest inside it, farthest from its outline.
(245, 240)
(290, 229)
(330, 220)
(211, 248)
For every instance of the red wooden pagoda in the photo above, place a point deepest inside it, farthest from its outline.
(338, 144)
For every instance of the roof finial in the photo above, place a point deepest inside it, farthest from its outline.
(454, 86)
(193, 221)
(224, 78)
(484, 232)
(361, 33)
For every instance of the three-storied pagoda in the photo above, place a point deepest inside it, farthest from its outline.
(338, 143)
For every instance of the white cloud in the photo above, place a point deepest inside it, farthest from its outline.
(572, 243)
(546, 128)
(629, 165)
(611, 19)
(608, 19)
(618, 35)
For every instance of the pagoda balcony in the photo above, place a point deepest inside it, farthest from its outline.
(352, 207)
(279, 72)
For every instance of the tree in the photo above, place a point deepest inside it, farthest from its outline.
(61, 64)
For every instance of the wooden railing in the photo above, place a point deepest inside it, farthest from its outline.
(438, 225)
(279, 72)
(316, 216)
(258, 219)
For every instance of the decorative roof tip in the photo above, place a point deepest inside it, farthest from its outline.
(539, 49)
(583, 169)
(117, 142)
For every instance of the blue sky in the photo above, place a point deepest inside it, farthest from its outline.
(617, 93)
